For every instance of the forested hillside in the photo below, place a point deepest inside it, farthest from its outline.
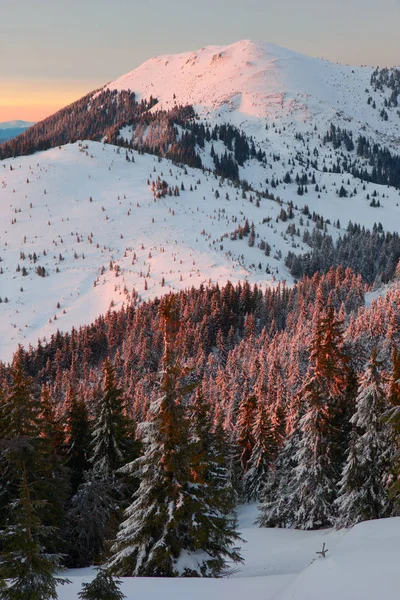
(289, 397)
(208, 251)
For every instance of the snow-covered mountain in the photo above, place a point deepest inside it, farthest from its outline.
(251, 81)
(258, 121)
(10, 129)
(16, 124)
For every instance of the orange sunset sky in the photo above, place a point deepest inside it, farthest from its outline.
(52, 52)
(33, 100)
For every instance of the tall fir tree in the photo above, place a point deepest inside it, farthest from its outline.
(278, 504)
(262, 456)
(26, 535)
(113, 433)
(393, 419)
(93, 513)
(173, 527)
(318, 457)
(363, 487)
(92, 518)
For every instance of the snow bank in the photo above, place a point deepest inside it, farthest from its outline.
(363, 566)
(281, 564)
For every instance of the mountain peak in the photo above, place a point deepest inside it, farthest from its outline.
(248, 79)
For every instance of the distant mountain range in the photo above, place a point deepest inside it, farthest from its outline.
(16, 124)
(10, 129)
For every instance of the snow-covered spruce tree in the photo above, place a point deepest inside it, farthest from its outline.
(77, 436)
(113, 432)
(25, 537)
(314, 479)
(393, 419)
(174, 526)
(94, 509)
(92, 518)
(262, 456)
(363, 487)
(24, 561)
(208, 461)
(278, 503)
(103, 587)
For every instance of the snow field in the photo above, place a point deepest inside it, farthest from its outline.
(166, 245)
(282, 564)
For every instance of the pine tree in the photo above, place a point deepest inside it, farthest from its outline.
(94, 508)
(315, 474)
(208, 459)
(319, 456)
(24, 562)
(393, 419)
(278, 503)
(173, 527)
(92, 518)
(103, 587)
(363, 492)
(262, 456)
(26, 536)
(112, 432)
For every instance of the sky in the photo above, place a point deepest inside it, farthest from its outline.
(52, 52)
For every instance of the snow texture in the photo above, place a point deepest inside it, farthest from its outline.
(282, 564)
(183, 241)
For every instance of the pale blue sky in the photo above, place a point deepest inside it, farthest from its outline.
(51, 50)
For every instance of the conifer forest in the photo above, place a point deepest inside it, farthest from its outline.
(241, 351)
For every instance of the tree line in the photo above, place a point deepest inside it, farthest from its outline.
(128, 443)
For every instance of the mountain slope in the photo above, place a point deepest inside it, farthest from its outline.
(89, 218)
(248, 80)
(92, 220)
(276, 175)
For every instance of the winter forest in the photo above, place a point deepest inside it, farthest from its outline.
(131, 444)
(128, 443)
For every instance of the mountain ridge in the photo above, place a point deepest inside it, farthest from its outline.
(16, 123)
(261, 196)
(257, 80)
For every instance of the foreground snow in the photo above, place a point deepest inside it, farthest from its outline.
(363, 566)
(282, 565)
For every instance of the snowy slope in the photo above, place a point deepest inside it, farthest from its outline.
(249, 81)
(45, 209)
(185, 240)
(363, 566)
(282, 564)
